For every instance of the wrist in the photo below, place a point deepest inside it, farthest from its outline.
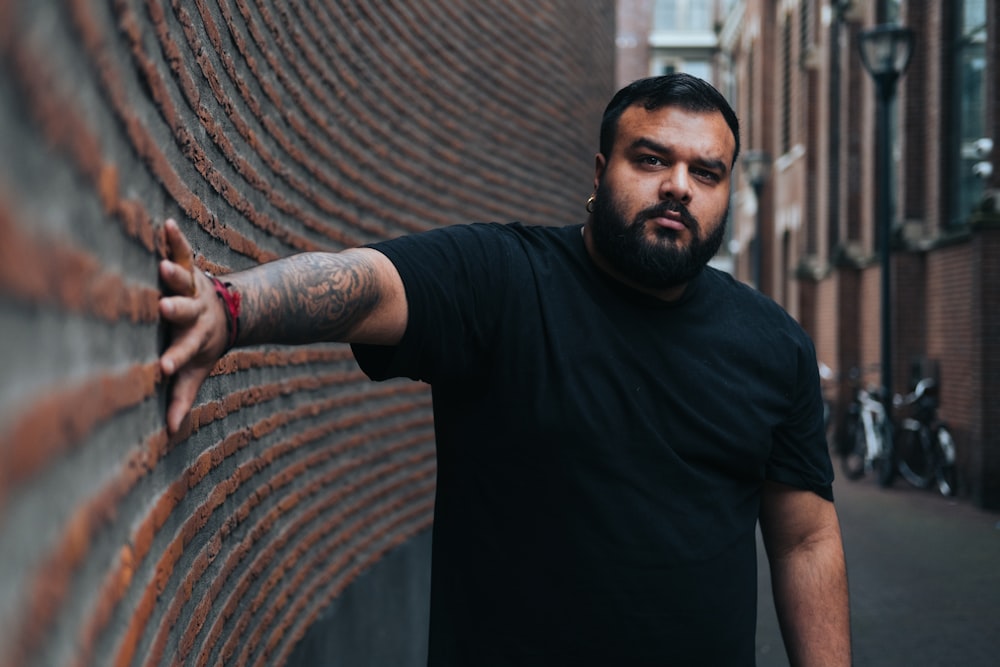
(230, 300)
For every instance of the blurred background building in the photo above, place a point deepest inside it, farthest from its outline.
(808, 196)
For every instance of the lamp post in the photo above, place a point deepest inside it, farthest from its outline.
(757, 164)
(885, 53)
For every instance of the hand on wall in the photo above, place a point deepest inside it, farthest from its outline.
(197, 331)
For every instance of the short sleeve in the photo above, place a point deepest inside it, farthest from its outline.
(455, 280)
(800, 455)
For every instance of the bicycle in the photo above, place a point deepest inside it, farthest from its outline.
(925, 449)
(870, 439)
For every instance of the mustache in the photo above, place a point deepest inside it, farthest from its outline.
(668, 206)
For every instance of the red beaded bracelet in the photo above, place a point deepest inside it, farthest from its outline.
(231, 300)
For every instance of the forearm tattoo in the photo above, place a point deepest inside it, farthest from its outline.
(306, 298)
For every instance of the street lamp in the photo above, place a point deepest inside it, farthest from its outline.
(885, 53)
(757, 165)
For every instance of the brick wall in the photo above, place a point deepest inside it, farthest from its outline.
(633, 19)
(909, 317)
(954, 319)
(267, 129)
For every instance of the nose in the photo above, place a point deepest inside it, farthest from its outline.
(676, 184)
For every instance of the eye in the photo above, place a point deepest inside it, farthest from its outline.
(706, 175)
(651, 161)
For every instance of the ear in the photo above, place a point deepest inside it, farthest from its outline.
(600, 162)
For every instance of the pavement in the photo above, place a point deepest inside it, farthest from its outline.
(924, 578)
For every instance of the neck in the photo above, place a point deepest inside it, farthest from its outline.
(665, 294)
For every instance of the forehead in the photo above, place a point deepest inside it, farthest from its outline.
(704, 132)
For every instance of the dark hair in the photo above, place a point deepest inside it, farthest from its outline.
(681, 90)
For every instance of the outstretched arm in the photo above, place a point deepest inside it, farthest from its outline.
(353, 296)
(808, 575)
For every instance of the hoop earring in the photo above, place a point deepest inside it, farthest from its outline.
(590, 203)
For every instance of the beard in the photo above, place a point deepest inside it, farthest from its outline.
(654, 263)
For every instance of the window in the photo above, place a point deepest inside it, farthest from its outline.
(699, 68)
(665, 15)
(682, 38)
(679, 15)
(693, 66)
(970, 67)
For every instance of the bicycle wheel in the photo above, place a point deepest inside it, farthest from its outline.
(885, 463)
(944, 460)
(852, 461)
(914, 455)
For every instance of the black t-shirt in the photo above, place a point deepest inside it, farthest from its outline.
(600, 452)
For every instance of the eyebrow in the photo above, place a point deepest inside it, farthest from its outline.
(709, 163)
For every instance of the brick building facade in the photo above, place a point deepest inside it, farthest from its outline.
(806, 99)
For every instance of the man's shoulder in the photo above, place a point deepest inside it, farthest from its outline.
(541, 242)
(746, 303)
(509, 230)
(554, 233)
(725, 282)
(502, 251)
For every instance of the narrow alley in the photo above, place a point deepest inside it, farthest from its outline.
(924, 580)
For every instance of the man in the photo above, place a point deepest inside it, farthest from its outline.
(612, 416)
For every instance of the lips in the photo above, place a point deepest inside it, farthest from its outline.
(670, 215)
(672, 221)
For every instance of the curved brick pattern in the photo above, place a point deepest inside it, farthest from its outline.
(266, 128)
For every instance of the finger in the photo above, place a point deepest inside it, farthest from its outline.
(180, 311)
(182, 397)
(181, 253)
(177, 279)
(180, 353)
(180, 249)
(176, 412)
